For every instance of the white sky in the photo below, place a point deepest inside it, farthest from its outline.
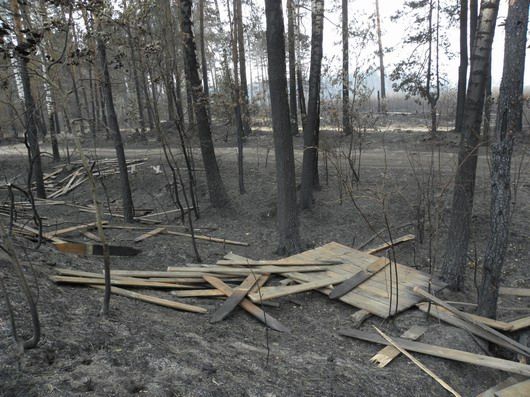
(393, 33)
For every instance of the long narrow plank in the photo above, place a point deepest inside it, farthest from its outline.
(520, 324)
(71, 229)
(198, 293)
(261, 282)
(208, 238)
(359, 278)
(164, 274)
(444, 352)
(419, 364)
(232, 259)
(514, 291)
(151, 233)
(268, 293)
(445, 315)
(245, 271)
(94, 249)
(389, 353)
(400, 240)
(512, 380)
(518, 390)
(489, 334)
(238, 294)
(123, 282)
(248, 306)
(155, 300)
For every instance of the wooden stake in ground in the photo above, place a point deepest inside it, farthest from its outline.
(419, 364)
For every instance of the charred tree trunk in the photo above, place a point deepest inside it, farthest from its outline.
(509, 115)
(30, 110)
(380, 55)
(462, 68)
(216, 189)
(292, 68)
(289, 237)
(346, 125)
(454, 264)
(126, 196)
(245, 114)
(313, 115)
(204, 66)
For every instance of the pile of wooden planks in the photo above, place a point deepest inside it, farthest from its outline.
(58, 184)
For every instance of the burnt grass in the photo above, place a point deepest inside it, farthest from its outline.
(150, 350)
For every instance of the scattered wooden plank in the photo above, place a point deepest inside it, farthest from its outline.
(248, 306)
(512, 380)
(488, 334)
(71, 229)
(385, 246)
(238, 294)
(94, 249)
(359, 278)
(245, 271)
(389, 353)
(359, 316)
(444, 352)
(231, 259)
(198, 293)
(91, 236)
(208, 238)
(155, 300)
(520, 389)
(444, 314)
(444, 384)
(261, 282)
(520, 323)
(161, 274)
(119, 281)
(268, 293)
(164, 213)
(514, 291)
(151, 233)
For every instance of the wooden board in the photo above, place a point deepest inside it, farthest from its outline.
(154, 299)
(514, 291)
(374, 294)
(385, 246)
(359, 278)
(120, 281)
(444, 352)
(248, 306)
(521, 389)
(151, 233)
(94, 249)
(238, 294)
(389, 353)
(445, 315)
(512, 380)
(520, 324)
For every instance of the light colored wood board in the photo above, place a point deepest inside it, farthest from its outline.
(208, 238)
(71, 229)
(248, 306)
(389, 353)
(445, 353)
(238, 294)
(198, 293)
(245, 271)
(486, 332)
(520, 389)
(395, 242)
(520, 323)
(163, 274)
(268, 293)
(261, 282)
(91, 236)
(359, 316)
(437, 312)
(116, 281)
(512, 380)
(149, 234)
(372, 295)
(155, 300)
(514, 291)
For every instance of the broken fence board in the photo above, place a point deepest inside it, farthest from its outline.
(420, 365)
(444, 352)
(155, 300)
(484, 331)
(520, 324)
(385, 246)
(151, 233)
(359, 278)
(238, 294)
(514, 291)
(444, 314)
(245, 271)
(389, 353)
(512, 380)
(248, 306)
(520, 389)
(94, 249)
(119, 281)
(198, 293)
(71, 229)
(207, 238)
